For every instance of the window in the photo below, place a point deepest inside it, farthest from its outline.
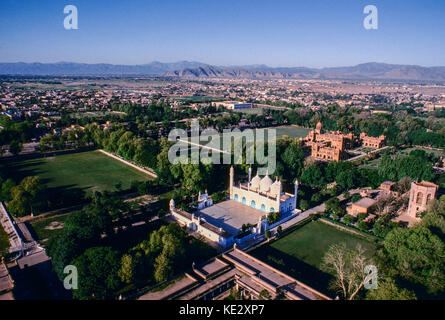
(419, 198)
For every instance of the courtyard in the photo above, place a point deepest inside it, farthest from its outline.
(231, 215)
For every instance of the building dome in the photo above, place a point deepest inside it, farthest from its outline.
(265, 184)
(255, 183)
(276, 188)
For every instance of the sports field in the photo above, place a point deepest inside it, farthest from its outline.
(89, 171)
(300, 253)
(292, 132)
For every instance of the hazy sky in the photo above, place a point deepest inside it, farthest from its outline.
(313, 33)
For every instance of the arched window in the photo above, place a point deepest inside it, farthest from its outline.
(253, 204)
(236, 197)
(263, 208)
(428, 198)
(272, 209)
(244, 200)
(419, 198)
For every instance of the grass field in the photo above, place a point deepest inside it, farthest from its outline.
(292, 132)
(89, 171)
(374, 164)
(48, 228)
(300, 253)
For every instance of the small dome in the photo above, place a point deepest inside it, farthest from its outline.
(255, 183)
(265, 184)
(276, 187)
(319, 126)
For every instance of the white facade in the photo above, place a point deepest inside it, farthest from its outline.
(263, 194)
(199, 225)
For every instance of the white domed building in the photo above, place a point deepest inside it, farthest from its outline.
(263, 194)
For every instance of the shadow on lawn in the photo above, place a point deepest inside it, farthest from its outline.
(20, 170)
(295, 268)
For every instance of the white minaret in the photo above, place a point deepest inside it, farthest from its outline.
(295, 193)
(250, 174)
(172, 205)
(232, 178)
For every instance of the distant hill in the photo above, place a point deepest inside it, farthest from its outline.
(197, 70)
(83, 69)
(377, 71)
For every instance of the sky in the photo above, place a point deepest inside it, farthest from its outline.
(310, 33)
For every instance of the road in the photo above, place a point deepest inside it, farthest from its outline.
(307, 213)
(27, 148)
(366, 154)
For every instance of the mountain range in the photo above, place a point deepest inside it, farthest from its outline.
(197, 70)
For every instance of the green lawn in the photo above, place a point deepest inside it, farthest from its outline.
(437, 153)
(90, 171)
(300, 253)
(48, 228)
(292, 132)
(374, 164)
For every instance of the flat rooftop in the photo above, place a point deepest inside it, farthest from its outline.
(230, 215)
(365, 203)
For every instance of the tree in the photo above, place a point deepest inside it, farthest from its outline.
(264, 295)
(6, 189)
(15, 147)
(127, 269)
(304, 205)
(334, 208)
(163, 268)
(417, 255)
(348, 219)
(348, 267)
(293, 160)
(26, 196)
(388, 290)
(98, 274)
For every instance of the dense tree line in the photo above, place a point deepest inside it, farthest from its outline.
(104, 269)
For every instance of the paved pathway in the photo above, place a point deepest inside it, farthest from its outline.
(307, 213)
(129, 163)
(366, 154)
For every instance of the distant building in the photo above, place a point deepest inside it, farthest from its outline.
(363, 206)
(199, 225)
(420, 196)
(263, 194)
(387, 186)
(233, 105)
(249, 205)
(204, 201)
(328, 146)
(372, 142)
